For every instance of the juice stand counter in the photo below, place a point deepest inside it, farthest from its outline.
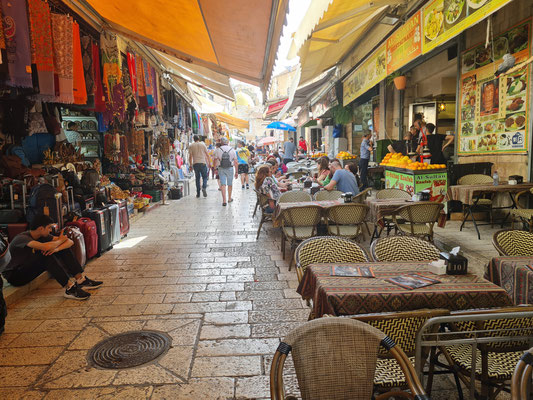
(415, 181)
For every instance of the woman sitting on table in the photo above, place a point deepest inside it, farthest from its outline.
(323, 175)
(265, 184)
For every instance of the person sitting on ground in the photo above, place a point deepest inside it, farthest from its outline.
(36, 251)
(323, 177)
(267, 186)
(354, 170)
(344, 180)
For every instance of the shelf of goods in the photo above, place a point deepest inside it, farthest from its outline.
(416, 180)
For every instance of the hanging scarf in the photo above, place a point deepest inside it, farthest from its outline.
(42, 54)
(2, 34)
(132, 71)
(148, 84)
(154, 83)
(143, 102)
(63, 62)
(99, 102)
(112, 78)
(80, 91)
(88, 69)
(17, 43)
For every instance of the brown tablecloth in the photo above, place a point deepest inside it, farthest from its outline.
(465, 193)
(514, 275)
(379, 208)
(283, 206)
(338, 295)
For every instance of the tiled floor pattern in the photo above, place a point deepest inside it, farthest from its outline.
(192, 269)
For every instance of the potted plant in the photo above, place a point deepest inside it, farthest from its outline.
(398, 79)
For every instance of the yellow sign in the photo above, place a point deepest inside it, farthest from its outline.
(405, 44)
(372, 71)
(444, 19)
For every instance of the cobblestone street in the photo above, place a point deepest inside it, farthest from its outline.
(192, 269)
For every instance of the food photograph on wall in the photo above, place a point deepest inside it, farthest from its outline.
(494, 117)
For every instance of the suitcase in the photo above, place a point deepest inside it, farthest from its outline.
(175, 193)
(90, 235)
(74, 234)
(14, 215)
(115, 222)
(102, 219)
(124, 218)
(44, 199)
(12, 230)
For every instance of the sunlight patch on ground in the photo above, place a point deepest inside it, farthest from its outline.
(129, 243)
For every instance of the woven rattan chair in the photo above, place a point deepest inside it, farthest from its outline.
(511, 242)
(522, 377)
(495, 361)
(522, 212)
(393, 193)
(361, 197)
(328, 195)
(295, 196)
(297, 224)
(402, 327)
(346, 220)
(419, 219)
(264, 201)
(483, 202)
(335, 358)
(257, 203)
(403, 248)
(327, 249)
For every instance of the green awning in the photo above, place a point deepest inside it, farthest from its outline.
(312, 122)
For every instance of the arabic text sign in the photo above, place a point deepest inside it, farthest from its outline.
(405, 44)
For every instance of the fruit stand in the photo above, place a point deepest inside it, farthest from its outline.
(346, 158)
(414, 177)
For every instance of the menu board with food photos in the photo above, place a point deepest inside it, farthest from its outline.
(494, 110)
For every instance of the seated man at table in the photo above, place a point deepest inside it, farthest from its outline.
(344, 180)
(36, 251)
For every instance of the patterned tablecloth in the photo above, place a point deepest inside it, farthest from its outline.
(465, 193)
(514, 275)
(338, 295)
(283, 206)
(379, 208)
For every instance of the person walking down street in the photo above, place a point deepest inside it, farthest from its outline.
(226, 159)
(366, 149)
(243, 156)
(289, 151)
(199, 159)
(302, 145)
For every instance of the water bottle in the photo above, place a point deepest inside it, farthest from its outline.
(496, 178)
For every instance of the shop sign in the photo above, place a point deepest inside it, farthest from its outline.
(443, 20)
(405, 44)
(372, 71)
(436, 183)
(326, 102)
(494, 112)
(303, 116)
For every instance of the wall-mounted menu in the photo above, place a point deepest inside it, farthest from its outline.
(494, 110)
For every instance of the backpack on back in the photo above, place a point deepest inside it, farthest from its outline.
(225, 161)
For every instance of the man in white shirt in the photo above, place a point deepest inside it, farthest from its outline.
(226, 160)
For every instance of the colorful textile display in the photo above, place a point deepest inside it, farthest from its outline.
(88, 69)
(42, 54)
(99, 102)
(2, 34)
(143, 102)
(148, 84)
(133, 72)
(80, 91)
(63, 63)
(17, 37)
(112, 78)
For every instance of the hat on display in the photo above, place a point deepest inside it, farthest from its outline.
(224, 140)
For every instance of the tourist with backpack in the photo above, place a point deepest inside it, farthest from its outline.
(226, 158)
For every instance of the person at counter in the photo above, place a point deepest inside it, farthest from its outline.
(435, 143)
(342, 179)
(407, 145)
(447, 147)
(366, 149)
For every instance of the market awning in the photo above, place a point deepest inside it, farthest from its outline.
(238, 38)
(231, 120)
(275, 108)
(329, 31)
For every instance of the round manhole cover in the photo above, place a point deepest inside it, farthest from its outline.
(129, 349)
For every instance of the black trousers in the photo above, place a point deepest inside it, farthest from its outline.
(60, 265)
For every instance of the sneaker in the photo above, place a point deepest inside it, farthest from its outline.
(247, 186)
(243, 186)
(197, 195)
(89, 284)
(76, 293)
(204, 191)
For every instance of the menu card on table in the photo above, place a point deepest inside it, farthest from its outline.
(364, 272)
(412, 281)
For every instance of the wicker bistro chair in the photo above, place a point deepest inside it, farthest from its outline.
(257, 203)
(297, 224)
(419, 219)
(403, 248)
(402, 328)
(522, 212)
(328, 195)
(327, 249)
(335, 358)
(361, 197)
(346, 220)
(498, 336)
(294, 196)
(483, 202)
(522, 377)
(265, 215)
(512, 243)
(393, 193)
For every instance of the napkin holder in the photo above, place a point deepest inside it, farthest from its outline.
(519, 179)
(347, 197)
(456, 264)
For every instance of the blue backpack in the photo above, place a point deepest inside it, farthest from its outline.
(18, 151)
(43, 201)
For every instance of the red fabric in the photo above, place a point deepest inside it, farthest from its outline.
(80, 91)
(302, 145)
(99, 103)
